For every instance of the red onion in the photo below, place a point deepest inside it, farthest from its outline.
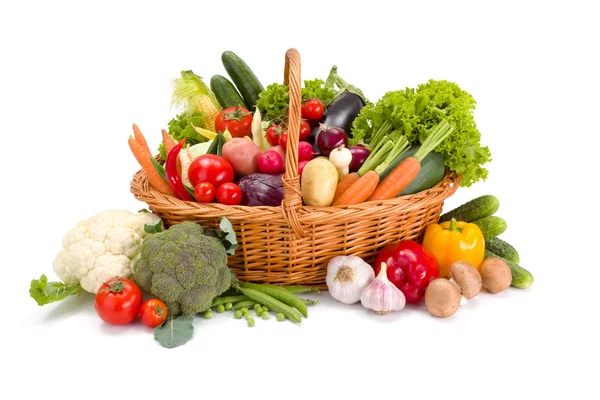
(331, 138)
(359, 155)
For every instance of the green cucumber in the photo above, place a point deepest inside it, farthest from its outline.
(502, 248)
(478, 208)
(432, 171)
(226, 93)
(246, 82)
(521, 278)
(490, 226)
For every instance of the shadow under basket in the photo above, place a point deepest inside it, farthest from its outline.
(292, 244)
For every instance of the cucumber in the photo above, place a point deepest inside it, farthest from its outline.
(246, 82)
(478, 208)
(490, 226)
(226, 93)
(502, 248)
(521, 278)
(432, 171)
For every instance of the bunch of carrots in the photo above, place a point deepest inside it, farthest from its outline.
(141, 151)
(358, 187)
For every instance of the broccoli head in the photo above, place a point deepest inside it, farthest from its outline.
(183, 267)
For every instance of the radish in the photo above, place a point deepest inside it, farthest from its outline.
(270, 162)
(305, 151)
(301, 165)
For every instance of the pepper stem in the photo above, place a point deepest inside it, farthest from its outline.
(453, 226)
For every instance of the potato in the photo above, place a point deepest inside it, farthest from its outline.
(442, 298)
(496, 275)
(467, 278)
(243, 155)
(319, 180)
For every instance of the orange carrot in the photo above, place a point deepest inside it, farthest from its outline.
(140, 139)
(168, 141)
(397, 180)
(141, 154)
(344, 184)
(360, 190)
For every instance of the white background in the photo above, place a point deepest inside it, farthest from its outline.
(73, 78)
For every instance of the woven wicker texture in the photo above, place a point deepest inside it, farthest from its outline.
(292, 244)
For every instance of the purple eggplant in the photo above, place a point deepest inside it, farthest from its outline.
(340, 113)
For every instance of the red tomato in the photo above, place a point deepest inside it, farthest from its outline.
(304, 130)
(283, 138)
(204, 192)
(118, 301)
(272, 135)
(229, 194)
(236, 119)
(153, 313)
(210, 168)
(313, 109)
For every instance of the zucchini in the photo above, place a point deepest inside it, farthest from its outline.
(521, 278)
(478, 208)
(432, 171)
(490, 226)
(502, 248)
(246, 82)
(226, 93)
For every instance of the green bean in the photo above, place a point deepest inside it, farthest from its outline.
(208, 314)
(220, 308)
(228, 299)
(265, 315)
(228, 306)
(280, 317)
(250, 322)
(237, 314)
(301, 289)
(272, 303)
(280, 294)
(244, 304)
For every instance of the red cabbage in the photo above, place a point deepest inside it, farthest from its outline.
(261, 190)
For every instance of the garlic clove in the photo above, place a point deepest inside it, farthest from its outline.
(382, 296)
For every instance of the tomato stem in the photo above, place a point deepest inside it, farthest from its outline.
(236, 115)
(116, 286)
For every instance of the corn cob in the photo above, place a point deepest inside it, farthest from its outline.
(191, 95)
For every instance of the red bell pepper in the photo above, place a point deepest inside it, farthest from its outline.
(410, 267)
(173, 177)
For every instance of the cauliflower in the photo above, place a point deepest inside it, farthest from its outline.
(102, 247)
(183, 267)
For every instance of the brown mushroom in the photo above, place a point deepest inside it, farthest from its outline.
(442, 298)
(467, 278)
(496, 275)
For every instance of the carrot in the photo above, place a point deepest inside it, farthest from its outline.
(397, 180)
(359, 191)
(141, 154)
(140, 139)
(168, 141)
(344, 184)
(409, 168)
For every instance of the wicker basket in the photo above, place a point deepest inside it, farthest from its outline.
(292, 244)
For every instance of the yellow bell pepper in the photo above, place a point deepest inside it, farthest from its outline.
(453, 241)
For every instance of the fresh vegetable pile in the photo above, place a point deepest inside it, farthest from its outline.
(228, 144)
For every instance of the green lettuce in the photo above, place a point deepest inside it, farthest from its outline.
(182, 126)
(414, 112)
(44, 292)
(275, 99)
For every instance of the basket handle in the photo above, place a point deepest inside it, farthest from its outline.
(292, 195)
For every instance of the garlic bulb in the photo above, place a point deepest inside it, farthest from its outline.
(382, 296)
(347, 276)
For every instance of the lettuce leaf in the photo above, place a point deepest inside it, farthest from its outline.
(182, 126)
(44, 292)
(413, 112)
